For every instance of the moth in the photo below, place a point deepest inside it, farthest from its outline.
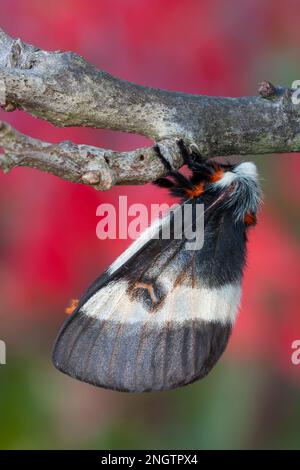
(161, 315)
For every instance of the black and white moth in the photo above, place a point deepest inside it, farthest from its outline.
(161, 315)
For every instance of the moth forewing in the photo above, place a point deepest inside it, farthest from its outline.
(162, 314)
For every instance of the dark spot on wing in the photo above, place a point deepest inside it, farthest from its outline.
(149, 293)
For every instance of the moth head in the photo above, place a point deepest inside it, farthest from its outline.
(246, 170)
(244, 193)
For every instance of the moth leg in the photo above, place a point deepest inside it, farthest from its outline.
(188, 158)
(163, 159)
(194, 160)
(180, 179)
(164, 183)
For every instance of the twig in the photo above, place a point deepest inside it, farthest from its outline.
(64, 89)
(84, 164)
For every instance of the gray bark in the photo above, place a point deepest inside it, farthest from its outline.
(85, 164)
(64, 89)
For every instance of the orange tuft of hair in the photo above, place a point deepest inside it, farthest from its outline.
(250, 219)
(196, 191)
(73, 305)
(217, 175)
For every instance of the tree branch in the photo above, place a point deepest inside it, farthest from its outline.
(64, 89)
(85, 164)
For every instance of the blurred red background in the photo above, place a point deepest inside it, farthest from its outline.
(48, 245)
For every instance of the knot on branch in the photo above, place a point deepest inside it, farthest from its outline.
(97, 172)
(267, 89)
(15, 54)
